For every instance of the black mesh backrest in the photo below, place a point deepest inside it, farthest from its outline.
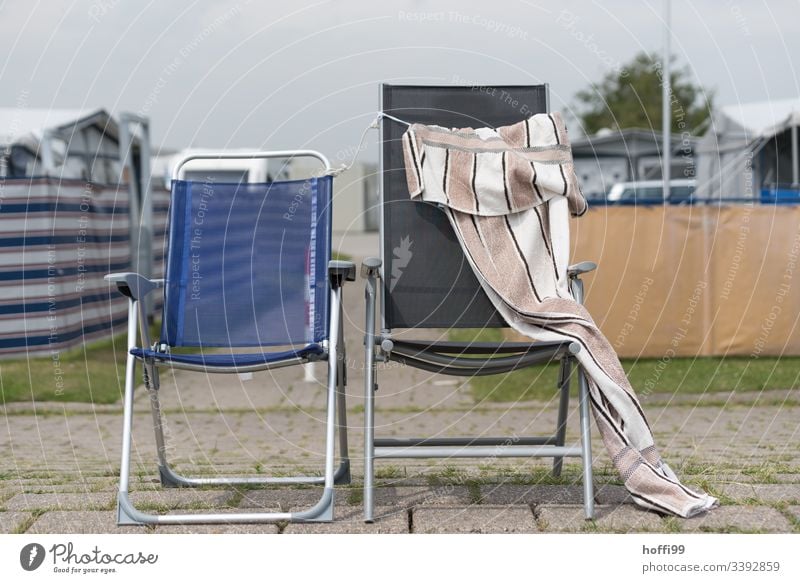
(428, 282)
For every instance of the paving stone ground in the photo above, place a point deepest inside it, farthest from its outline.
(60, 460)
(505, 519)
(11, 521)
(738, 519)
(608, 518)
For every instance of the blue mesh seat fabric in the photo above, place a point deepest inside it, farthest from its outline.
(246, 264)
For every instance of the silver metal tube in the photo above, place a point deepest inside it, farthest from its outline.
(249, 156)
(333, 351)
(470, 441)
(145, 235)
(479, 451)
(382, 226)
(131, 515)
(563, 410)
(158, 419)
(341, 396)
(586, 443)
(586, 430)
(231, 369)
(234, 480)
(666, 118)
(369, 398)
(127, 418)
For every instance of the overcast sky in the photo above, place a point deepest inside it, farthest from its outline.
(303, 73)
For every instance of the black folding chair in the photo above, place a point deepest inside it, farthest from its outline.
(439, 290)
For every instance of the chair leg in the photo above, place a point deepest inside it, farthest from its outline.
(586, 446)
(565, 372)
(342, 475)
(369, 400)
(123, 514)
(322, 511)
(171, 479)
(153, 385)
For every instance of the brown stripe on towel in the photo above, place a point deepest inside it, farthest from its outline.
(555, 128)
(535, 185)
(460, 181)
(505, 182)
(522, 258)
(472, 182)
(445, 175)
(520, 182)
(546, 237)
(527, 133)
(412, 165)
(515, 135)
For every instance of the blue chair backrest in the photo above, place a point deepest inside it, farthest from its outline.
(247, 263)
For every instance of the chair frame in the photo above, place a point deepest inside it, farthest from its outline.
(449, 358)
(136, 288)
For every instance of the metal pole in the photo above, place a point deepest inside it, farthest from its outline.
(134, 209)
(369, 397)
(666, 119)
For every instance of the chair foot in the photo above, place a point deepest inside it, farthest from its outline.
(342, 475)
(589, 513)
(124, 516)
(558, 463)
(321, 512)
(169, 478)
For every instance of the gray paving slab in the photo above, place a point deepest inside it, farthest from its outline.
(473, 519)
(533, 494)
(61, 501)
(82, 522)
(172, 498)
(615, 518)
(737, 519)
(787, 478)
(409, 496)
(350, 519)
(795, 512)
(286, 498)
(763, 492)
(7, 491)
(612, 494)
(11, 521)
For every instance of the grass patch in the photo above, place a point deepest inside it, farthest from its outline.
(338, 256)
(389, 472)
(679, 375)
(355, 496)
(93, 373)
(89, 374)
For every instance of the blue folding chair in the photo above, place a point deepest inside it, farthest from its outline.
(248, 266)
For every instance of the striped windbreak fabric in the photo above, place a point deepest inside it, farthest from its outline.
(508, 194)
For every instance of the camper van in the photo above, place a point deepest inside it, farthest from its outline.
(651, 192)
(219, 170)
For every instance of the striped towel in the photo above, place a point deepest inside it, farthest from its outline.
(508, 194)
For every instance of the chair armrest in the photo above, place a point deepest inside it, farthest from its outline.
(133, 285)
(574, 271)
(370, 267)
(341, 271)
